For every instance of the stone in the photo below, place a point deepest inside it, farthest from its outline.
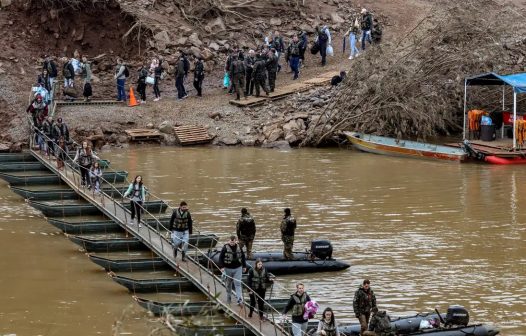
(248, 141)
(291, 138)
(149, 125)
(275, 21)
(194, 40)
(215, 25)
(195, 51)
(229, 140)
(307, 28)
(4, 147)
(214, 46)
(169, 139)
(277, 144)
(267, 130)
(122, 139)
(5, 3)
(335, 18)
(207, 54)
(169, 10)
(275, 135)
(181, 41)
(162, 40)
(166, 127)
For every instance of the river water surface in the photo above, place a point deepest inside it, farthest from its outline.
(427, 234)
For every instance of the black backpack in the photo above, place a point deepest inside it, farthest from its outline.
(186, 65)
(66, 71)
(323, 36)
(126, 72)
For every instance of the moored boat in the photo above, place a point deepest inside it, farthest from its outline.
(96, 226)
(21, 166)
(58, 192)
(74, 208)
(192, 308)
(130, 265)
(406, 148)
(173, 284)
(17, 157)
(38, 177)
(115, 244)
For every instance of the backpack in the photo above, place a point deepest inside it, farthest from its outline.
(186, 65)
(323, 36)
(66, 71)
(126, 72)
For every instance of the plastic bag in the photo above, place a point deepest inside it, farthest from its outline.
(226, 80)
(150, 80)
(330, 50)
(424, 324)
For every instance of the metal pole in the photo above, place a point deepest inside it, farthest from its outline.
(465, 108)
(503, 108)
(514, 117)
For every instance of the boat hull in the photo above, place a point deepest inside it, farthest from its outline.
(154, 285)
(404, 148)
(130, 265)
(276, 264)
(133, 244)
(112, 177)
(65, 210)
(193, 308)
(21, 166)
(96, 226)
(59, 194)
(504, 161)
(17, 157)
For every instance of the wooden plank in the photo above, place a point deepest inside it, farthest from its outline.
(191, 134)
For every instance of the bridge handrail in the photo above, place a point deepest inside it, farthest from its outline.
(199, 254)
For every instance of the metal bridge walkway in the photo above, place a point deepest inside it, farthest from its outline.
(152, 236)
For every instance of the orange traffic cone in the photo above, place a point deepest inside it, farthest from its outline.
(133, 101)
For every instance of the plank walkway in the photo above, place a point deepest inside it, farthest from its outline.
(287, 90)
(192, 135)
(210, 284)
(501, 148)
(143, 134)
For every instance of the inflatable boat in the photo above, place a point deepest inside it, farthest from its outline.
(318, 259)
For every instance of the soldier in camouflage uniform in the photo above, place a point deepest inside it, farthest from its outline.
(246, 231)
(272, 68)
(260, 75)
(380, 324)
(364, 301)
(288, 226)
(237, 69)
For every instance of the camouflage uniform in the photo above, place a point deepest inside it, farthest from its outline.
(260, 76)
(380, 325)
(246, 231)
(288, 226)
(237, 69)
(272, 69)
(362, 304)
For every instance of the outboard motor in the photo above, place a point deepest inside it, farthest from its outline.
(321, 249)
(457, 316)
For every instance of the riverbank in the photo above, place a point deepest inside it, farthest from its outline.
(264, 125)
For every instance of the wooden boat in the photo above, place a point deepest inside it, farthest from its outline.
(17, 157)
(62, 208)
(21, 166)
(390, 146)
(37, 177)
(130, 265)
(192, 308)
(302, 262)
(132, 244)
(96, 226)
(61, 192)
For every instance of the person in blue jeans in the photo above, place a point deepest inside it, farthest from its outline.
(233, 264)
(366, 25)
(294, 52)
(353, 33)
(120, 75)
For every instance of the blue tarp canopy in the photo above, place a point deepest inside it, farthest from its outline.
(517, 81)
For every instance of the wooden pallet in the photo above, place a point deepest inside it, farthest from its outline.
(141, 134)
(277, 94)
(192, 135)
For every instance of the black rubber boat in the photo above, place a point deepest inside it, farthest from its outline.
(130, 265)
(454, 323)
(192, 308)
(133, 244)
(57, 209)
(17, 157)
(21, 166)
(38, 177)
(316, 260)
(58, 192)
(226, 330)
(172, 284)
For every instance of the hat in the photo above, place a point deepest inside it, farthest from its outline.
(364, 10)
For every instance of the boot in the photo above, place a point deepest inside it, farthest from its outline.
(250, 313)
(183, 258)
(175, 253)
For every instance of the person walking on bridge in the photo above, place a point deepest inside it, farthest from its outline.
(246, 231)
(297, 305)
(364, 300)
(288, 227)
(233, 264)
(181, 228)
(258, 280)
(136, 192)
(85, 158)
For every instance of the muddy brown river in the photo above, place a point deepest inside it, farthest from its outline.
(427, 234)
